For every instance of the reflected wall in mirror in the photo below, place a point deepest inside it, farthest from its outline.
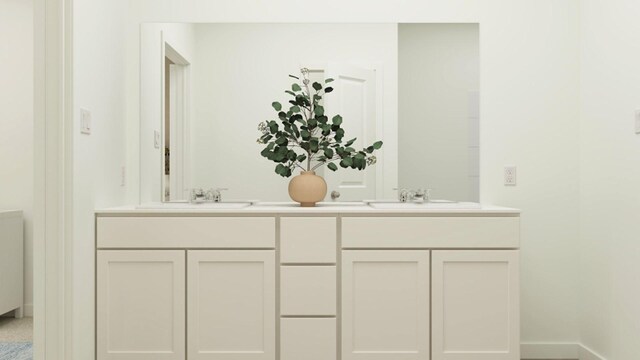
(205, 87)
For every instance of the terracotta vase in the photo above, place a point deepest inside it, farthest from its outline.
(307, 188)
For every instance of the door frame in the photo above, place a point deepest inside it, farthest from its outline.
(183, 75)
(53, 150)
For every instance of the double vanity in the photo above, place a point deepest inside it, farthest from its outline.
(273, 281)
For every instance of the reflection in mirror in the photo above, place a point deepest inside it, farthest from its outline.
(413, 86)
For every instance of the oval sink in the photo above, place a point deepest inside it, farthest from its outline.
(196, 206)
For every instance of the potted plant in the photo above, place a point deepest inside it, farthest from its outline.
(304, 137)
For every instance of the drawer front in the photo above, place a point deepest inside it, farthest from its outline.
(431, 232)
(308, 290)
(186, 232)
(308, 239)
(308, 339)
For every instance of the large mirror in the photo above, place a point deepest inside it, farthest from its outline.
(204, 88)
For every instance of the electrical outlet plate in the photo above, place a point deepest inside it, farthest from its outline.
(638, 122)
(510, 175)
(85, 121)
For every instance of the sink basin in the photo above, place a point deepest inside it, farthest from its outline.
(437, 204)
(196, 206)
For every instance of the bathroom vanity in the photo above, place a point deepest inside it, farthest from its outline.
(280, 282)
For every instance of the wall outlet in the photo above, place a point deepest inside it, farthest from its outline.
(510, 175)
(85, 121)
(637, 121)
(156, 139)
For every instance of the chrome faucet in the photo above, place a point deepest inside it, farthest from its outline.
(418, 195)
(198, 195)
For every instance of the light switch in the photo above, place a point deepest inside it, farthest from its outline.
(156, 139)
(510, 175)
(637, 121)
(85, 121)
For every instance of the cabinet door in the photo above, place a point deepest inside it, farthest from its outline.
(141, 305)
(385, 305)
(475, 299)
(231, 305)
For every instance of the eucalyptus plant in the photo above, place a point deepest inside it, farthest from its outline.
(304, 137)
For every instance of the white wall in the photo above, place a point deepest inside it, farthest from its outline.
(16, 122)
(181, 38)
(240, 69)
(99, 59)
(610, 178)
(439, 69)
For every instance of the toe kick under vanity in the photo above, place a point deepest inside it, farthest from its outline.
(325, 283)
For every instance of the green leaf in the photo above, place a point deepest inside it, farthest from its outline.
(282, 141)
(295, 109)
(328, 152)
(312, 123)
(350, 142)
(295, 87)
(301, 158)
(276, 105)
(318, 110)
(332, 166)
(305, 135)
(317, 86)
(337, 120)
(295, 77)
(377, 145)
(290, 92)
(328, 89)
(326, 81)
(313, 145)
(273, 127)
(346, 162)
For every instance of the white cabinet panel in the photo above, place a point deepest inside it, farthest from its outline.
(231, 304)
(385, 305)
(141, 305)
(308, 239)
(308, 290)
(430, 232)
(186, 232)
(475, 298)
(308, 339)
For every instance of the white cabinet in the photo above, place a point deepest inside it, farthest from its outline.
(231, 305)
(475, 298)
(141, 305)
(354, 286)
(385, 305)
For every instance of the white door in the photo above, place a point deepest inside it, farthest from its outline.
(475, 299)
(385, 305)
(141, 305)
(231, 304)
(354, 97)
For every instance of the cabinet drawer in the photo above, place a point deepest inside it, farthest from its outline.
(431, 232)
(308, 239)
(309, 339)
(308, 290)
(186, 232)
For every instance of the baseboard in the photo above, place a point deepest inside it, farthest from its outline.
(557, 351)
(587, 354)
(541, 351)
(28, 310)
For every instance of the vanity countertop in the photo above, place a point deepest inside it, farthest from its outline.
(267, 208)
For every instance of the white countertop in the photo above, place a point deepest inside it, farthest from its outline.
(266, 208)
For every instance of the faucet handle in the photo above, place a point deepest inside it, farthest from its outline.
(215, 195)
(403, 194)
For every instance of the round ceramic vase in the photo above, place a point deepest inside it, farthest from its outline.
(307, 188)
